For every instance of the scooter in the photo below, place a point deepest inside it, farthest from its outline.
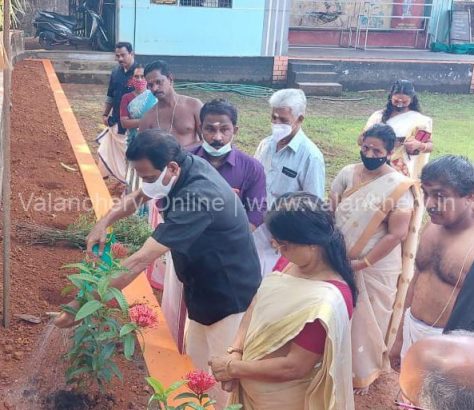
(54, 29)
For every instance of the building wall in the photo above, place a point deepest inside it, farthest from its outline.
(427, 76)
(192, 31)
(240, 70)
(26, 22)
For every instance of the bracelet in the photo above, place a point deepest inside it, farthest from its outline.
(367, 262)
(227, 367)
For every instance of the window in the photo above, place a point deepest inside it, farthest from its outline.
(206, 3)
(196, 3)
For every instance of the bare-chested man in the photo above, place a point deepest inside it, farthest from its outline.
(445, 254)
(174, 113)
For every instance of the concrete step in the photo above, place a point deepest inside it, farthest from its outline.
(321, 89)
(83, 77)
(64, 55)
(310, 66)
(312, 76)
(81, 65)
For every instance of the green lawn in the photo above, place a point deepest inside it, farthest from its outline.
(335, 125)
(332, 125)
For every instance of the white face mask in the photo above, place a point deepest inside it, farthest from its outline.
(217, 152)
(280, 131)
(156, 190)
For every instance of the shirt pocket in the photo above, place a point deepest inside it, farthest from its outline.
(289, 172)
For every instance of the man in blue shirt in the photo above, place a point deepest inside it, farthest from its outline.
(112, 141)
(292, 162)
(119, 84)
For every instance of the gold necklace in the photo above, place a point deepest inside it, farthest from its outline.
(172, 116)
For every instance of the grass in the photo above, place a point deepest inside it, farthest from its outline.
(335, 125)
(332, 125)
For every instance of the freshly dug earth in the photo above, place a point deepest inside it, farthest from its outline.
(46, 193)
(87, 101)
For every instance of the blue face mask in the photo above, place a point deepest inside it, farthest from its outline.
(217, 152)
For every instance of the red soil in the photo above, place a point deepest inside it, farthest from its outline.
(46, 193)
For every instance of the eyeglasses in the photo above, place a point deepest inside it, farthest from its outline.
(403, 405)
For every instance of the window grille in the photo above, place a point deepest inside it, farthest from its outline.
(195, 3)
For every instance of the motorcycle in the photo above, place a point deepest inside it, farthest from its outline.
(54, 29)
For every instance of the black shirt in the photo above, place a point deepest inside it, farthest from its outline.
(119, 84)
(207, 230)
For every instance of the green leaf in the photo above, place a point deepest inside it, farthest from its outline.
(176, 386)
(73, 372)
(106, 374)
(155, 397)
(160, 399)
(234, 407)
(107, 351)
(85, 277)
(106, 336)
(89, 308)
(115, 370)
(79, 333)
(195, 406)
(81, 266)
(120, 298)
(67, 290)
(77, 283)
(128, 346)
(155, 385)
(128, 328)
(69, 309)
(186, 395)
(209, 403)
(102, 287)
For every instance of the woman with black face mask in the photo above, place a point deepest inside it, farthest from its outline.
(413, 129)
(375, 209)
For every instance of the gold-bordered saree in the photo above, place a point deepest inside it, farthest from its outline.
(284, 304)
(406, 125)
(383, 286)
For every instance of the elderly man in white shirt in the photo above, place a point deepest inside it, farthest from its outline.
(292, 162)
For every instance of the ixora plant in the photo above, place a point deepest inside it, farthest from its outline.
(198, 383)
(104, 327)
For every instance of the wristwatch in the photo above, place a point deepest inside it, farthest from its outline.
(231, 350)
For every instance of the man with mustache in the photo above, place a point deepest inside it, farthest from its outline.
(445, 257)
(175, 113)
(243, 173)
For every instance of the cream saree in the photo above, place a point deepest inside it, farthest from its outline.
(382, 287)
(284, 304)
(406, 125)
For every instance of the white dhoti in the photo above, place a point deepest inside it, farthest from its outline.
(111, 152)
(415, 330)
(267, 255)
(172, 304)
(156, 271)
(204, 342)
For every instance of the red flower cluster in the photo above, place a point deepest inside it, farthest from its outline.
(143, 315)
(119, 250)
(199, 382)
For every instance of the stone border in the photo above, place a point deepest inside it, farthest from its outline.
(161, 355)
